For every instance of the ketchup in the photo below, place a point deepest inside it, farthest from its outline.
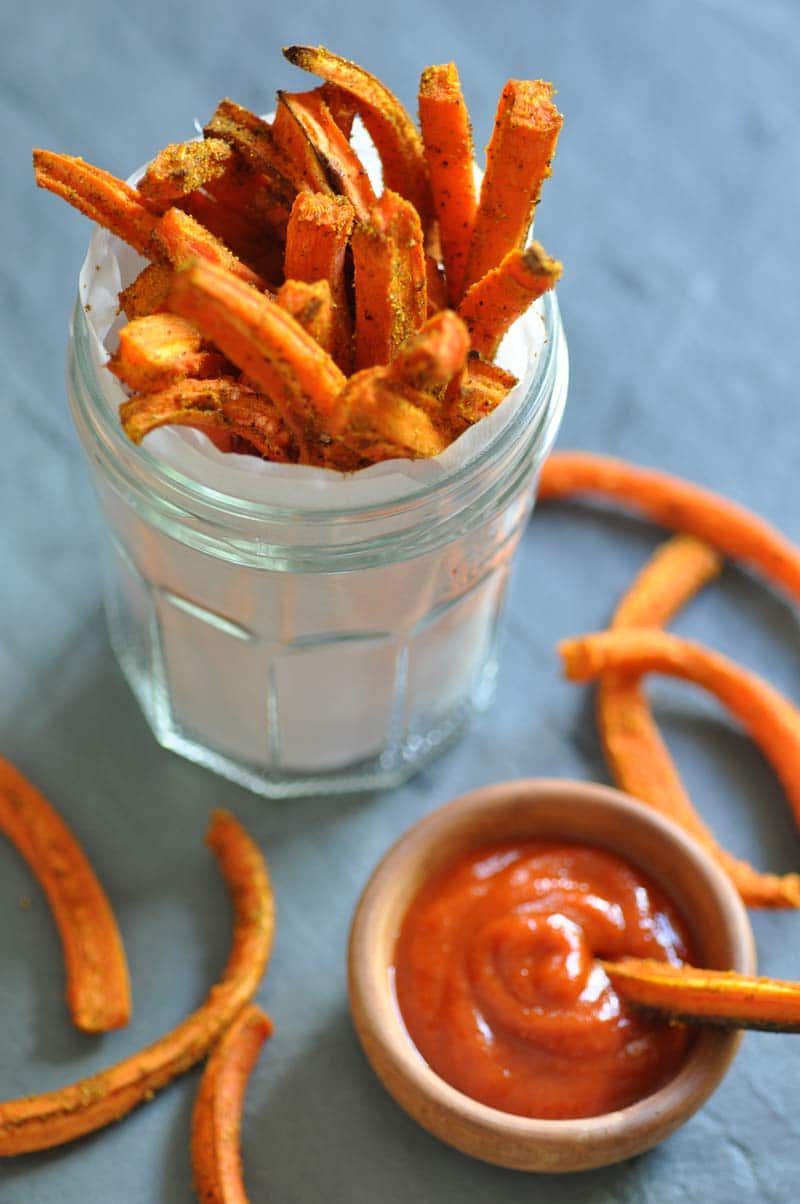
(499, 990)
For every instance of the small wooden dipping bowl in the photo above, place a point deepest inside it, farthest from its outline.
(562, 810)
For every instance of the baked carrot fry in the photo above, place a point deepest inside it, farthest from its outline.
(181, 168)
(429, 359)
(449, 153)
(38, 1122)
(504, 294)
(253, 138)
(680, 506)
(217, 1117)
(772, 721)
(518, 161)
(214, 407)
(252, 194)
(698, 996)
(638, 758)
(390, 280)
(148, 292)
(257, 246)
(268, 345)
(381, 421)
(389, 125)
(334, 155)
(311, 306)
(291, 139)
(342, 106)
(100, 196)
(177, 238)
(160, 349)
(475, 393)
(316, 245)
(98, 990)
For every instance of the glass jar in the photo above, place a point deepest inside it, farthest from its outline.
(310, 650)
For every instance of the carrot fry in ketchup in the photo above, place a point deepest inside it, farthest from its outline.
(317, 237)
(160, 349)
(518, 161)
(504, 294)
(449, 153)
(181, 168)
(389, 125)
(217, 1116)
(337, 160)
(639, 760)
(100, 196)
(390, 279)
(311, 306)
(98, 990)
(38, 1122)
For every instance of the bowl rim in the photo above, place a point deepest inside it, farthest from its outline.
(476, 1128)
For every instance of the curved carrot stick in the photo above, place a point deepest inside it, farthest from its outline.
(317, 238)
(680, 506)
(181, 168)
(322, 138)
(217, 1117)
(98, 989)
(504, 294)
(39, 1122)
(772, 721)
(177, 237)
(639, 760)
(100, 196)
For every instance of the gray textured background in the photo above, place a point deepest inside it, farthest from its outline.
(674, 207)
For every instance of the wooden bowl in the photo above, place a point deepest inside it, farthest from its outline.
(575, 811)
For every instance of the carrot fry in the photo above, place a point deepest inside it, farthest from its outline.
(681, 506)
(436, 284)
(475, 393)
(291, 139)
(390, 280)
(160, 349)
(254, 139)
(252, 194)
(217, 1117)
(342, 107)
(257, 247)
(216, 407)
(39, 1122)
(268, 345)
(389, 125)
(181, 168)
(429, 359)
(148, 292)
(100, 196)
(504, 294)
(638, 758)
(518, 161)
(316, 245)
(177, 238)
(336, 159)
(98, 990)
(719, 997)
(772, 721)
(449, 153)
(311, 306)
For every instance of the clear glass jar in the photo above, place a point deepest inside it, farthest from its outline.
(308, 650)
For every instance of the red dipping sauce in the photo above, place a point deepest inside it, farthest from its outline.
(498, 987)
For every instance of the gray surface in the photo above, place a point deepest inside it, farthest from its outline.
(674, 206)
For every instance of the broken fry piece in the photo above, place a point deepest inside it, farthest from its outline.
(217, 1117)
(637, 756)
(505, 293)
(695, 996)
(518, 159)
(98, 989)
(317, 237)
(772, 721)
(390, 280)
(148, 292)
(181, 168)
(100, 196)
(475, 393)
(311, 306)
(160, 349)
(450, 155)
(39, 1122)
(389, 125)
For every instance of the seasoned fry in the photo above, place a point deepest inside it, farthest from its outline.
(257, 246)
(389, 125)
(316, 245)
(178, 238)
(719, 997)
(341, 105)
(390, 280)
(449, 153)
(98, 989)
(429, 359)
(148, 292)
(311, 306)
(218, 408)
(268, 345)
(475, 393)
(100, 196)
(638, 758)
(252, 194)
(335, 158)
(217, 1117)
(772, 721)
(39, 1122)
(518, 159)
(504, 294)
(160, 349)
(254, 139)
(292, 141)
(181, 168)
(680, 506)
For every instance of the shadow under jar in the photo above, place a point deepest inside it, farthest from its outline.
(299, 650)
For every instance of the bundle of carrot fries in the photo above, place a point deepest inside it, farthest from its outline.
(290, 312)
